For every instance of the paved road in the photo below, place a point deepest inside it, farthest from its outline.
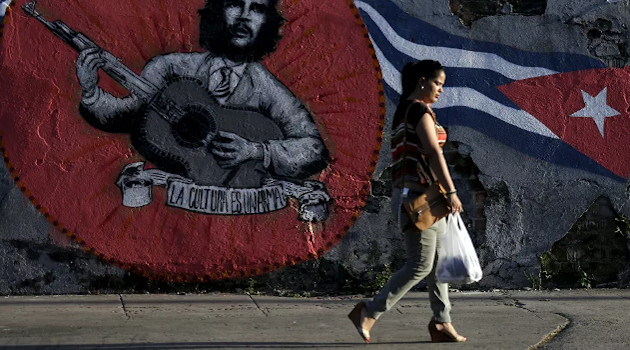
(584, 319)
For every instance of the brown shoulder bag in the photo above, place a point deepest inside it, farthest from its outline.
(426, 209)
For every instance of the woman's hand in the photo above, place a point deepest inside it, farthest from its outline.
(455, 203)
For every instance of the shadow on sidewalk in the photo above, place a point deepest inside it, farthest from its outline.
(198, 345)
(420, 297)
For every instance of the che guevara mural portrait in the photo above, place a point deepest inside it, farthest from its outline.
(197, 139)
(217, 117)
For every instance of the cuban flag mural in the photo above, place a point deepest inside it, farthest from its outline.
(567, 109)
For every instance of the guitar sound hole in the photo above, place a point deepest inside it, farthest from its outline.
(195, 128)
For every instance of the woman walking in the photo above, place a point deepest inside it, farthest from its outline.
(417, 141)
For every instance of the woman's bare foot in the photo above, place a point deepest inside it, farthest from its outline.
(444, 332)
(367, 322)
(361, 320)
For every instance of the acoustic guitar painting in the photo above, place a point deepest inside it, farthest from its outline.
(189, 112)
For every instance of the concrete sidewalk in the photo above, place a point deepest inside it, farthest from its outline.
(584, 319)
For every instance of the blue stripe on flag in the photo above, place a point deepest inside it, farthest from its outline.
(552, 150)
(482, 80)
(418, 31)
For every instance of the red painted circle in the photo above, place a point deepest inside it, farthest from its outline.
(68, 168)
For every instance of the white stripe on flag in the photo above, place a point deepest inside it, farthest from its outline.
(3, 7)
(391, 75)
(467, 97)
(451, 57)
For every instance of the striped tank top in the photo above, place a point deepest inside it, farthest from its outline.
(410, 166)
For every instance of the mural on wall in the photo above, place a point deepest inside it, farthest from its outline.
(562, 108)
(217, 143)
(225, 158)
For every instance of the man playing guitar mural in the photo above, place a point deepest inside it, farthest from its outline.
(277, 137)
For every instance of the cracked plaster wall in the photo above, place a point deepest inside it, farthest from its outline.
(527, 204)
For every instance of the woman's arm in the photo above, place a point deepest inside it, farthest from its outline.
(426, 133)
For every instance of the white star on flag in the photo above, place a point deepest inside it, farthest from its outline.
(596, 108)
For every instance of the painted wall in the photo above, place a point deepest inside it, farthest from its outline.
(280, 170)
(519, 105)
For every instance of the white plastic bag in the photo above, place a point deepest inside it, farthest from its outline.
(457, 260)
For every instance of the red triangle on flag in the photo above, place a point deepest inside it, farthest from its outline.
(552, 99)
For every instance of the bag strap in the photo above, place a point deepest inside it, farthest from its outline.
(430, 173)
(404, 155)
(405, 128)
